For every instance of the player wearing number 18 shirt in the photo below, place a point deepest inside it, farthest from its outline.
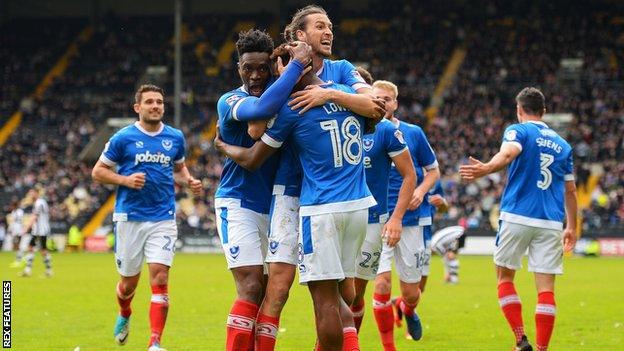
(333, 203)
(539, 195)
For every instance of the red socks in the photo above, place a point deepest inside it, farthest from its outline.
(382, 309)
(124, 302)
(512, 308)
(350, 340)
(544, 319)
(266, 332)
(240, 326)
(407, 310)
(358, 314)
(158, 311)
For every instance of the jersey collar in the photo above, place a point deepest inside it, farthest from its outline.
(162, 126)
(318, 73)
(542, 123)
(396, 124)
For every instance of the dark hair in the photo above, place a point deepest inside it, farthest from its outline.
(298, 21)
(254, 40)
(532, 101)
(368, 78)
(281, 51)
(145, 88)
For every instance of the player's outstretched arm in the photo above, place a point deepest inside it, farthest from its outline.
(258, 108)
(404, 165)
(249, 158)
(183, 177)
(477, 169)
(104, 174)
(571, 208)
(363, 104)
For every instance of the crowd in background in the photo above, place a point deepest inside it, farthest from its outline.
(508, 47)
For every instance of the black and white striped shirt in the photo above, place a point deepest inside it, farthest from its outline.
(41, 226)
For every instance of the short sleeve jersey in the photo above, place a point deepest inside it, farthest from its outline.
(535, 189)
(289, 177)
(379, 148)
(252, 189)
(422, 157)
(327, 140)
(133, 149)
(42, 225)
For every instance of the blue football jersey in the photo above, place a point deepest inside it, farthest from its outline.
(252, 189)
(289, 176)
(133, 149)
(423, 157)
(534, 195)
(379, 148)
(328, 141)
(341, 72)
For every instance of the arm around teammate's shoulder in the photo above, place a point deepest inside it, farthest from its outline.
(249, 158)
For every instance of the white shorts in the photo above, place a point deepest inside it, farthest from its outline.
(426, 268)
(243, 234)
(329, 245)
(284, 230)
(368, 261)
(545, 248)
(409, 255)
(154, 241)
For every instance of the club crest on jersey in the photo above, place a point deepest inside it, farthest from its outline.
(368, 144)
(511, 135)
(232, 99)
(167, 144)
(399, 136)
(138, 144)
(234, 251)
(273, 245)
(358, 76)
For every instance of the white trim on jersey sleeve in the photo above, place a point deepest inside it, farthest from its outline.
(338, 207)
(279, 189)
(180, 160)
(105, 160)
(568, 177)
(235, 108)
(396, 153)
(514, 143)
(270, 141)
(529, 221)
(357, 86)
(434, 165)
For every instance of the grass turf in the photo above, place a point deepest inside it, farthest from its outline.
(77, 307)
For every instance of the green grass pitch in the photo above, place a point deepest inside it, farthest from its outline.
(77, 307)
